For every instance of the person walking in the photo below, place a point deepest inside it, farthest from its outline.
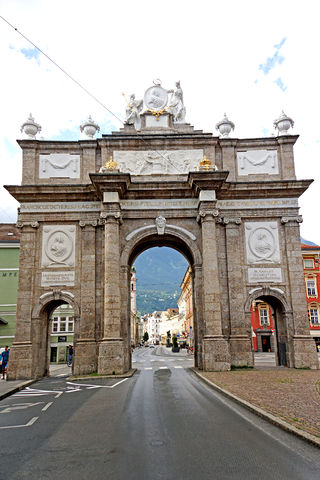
(70, 354)
(4, 362)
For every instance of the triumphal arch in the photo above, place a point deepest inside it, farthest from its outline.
(90, 207)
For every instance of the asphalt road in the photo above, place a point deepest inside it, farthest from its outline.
(163, 423)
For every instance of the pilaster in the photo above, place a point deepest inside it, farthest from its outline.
(112, 349)
(21, 356)
(302, 344)
(85, 358)
(240, 331)
(216, 356)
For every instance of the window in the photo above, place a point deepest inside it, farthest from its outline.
(70, 324)
(62, 324)
(308, 263)
(55, 323)
(311, 288)
(314, 316)
(264, 317)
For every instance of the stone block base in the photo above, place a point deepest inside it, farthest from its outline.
(85, 357)
(241, 351)
(304, 352)
(112, 357)
(216, 354)
(20, 361)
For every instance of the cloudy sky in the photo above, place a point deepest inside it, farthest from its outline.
(249, 59)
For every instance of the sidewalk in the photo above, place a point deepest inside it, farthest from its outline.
(287, 397)
(8, 387)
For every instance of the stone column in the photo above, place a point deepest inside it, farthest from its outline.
(240, 331)
(216, 356)
(24, 349)
(303, 347)
(112, 349)
(85, 355)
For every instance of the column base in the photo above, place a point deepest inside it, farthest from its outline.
(20, 361)
(112, 358)
(241, 351)
(304, 352)
(85, 357)
(216, 354)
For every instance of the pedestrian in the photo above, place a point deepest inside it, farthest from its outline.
(4, 362)
(70, 354)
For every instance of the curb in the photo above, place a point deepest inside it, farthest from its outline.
(90, 377)
(262, 413)
(17, 388)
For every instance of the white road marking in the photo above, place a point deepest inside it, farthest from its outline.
(178, 366)
(31, 422)
(33, 392)
(58, 395)
(147, 368)
(163, 368)
(19, 406)
(47, 406)
(90, 386)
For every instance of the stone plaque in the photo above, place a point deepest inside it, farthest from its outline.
(254, 162)
(264, 275)
(262, 242)
(148, 162)
(63, 165)
(156, 122)
(50, 279)
(58, 246)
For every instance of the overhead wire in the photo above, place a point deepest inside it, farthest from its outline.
(75, 81)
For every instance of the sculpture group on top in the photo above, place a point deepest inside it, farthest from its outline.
(157, 100)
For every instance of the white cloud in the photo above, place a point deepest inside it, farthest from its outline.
(214, 48)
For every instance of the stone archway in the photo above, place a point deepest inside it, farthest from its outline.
(40, 334)
(282, 321)
(229, 205)
(181, 240)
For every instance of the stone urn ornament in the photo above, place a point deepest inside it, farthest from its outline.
(283, 123)
(225, 126)
(30, 128)
(89, 127)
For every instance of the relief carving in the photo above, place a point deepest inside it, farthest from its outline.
(262, 242)
(158, 162)
(63, 165)
(160, 224)
(257, 162)
(58, 246)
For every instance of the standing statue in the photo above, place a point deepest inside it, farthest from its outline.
(176, 105)
(133, 111)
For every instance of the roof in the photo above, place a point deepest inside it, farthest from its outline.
(9, 233)
(309, 247)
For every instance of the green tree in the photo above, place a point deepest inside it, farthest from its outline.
(146, 336)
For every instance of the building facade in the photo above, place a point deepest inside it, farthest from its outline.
(9, 275)
(310, 258)
(229, 205)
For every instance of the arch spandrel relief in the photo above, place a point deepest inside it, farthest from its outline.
(58, 246)
(262, 242)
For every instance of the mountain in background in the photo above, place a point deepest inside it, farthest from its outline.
(160, 271)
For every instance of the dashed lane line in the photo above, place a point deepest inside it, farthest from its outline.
(46, 406)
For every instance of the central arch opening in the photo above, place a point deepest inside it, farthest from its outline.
(163, 317)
